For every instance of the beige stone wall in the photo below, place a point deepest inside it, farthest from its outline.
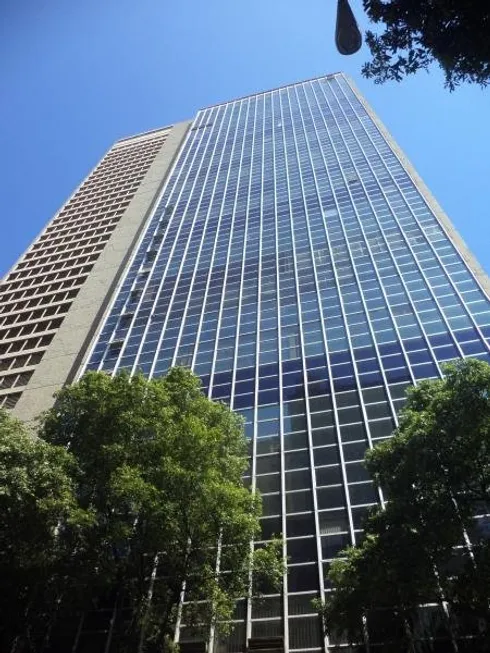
(69, 346)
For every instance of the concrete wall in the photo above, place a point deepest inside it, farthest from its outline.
(67, 350)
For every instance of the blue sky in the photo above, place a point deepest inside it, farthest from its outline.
(76, 76)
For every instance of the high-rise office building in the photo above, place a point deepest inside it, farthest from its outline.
(298, 264)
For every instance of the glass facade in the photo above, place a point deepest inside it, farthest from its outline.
(293, 262)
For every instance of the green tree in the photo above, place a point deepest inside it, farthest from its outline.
(452, 33)
(37, 501)
(435, 471)
(160, 467)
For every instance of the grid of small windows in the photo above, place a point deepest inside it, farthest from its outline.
(37, 294)
(294, 264)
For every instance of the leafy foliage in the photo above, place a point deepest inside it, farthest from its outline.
(36, 495)
(133, 491)
(418, 32)
(435, 471)
(160, 467)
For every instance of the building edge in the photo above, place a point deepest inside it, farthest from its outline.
(73, 194)
(68, 348)
(472, 262)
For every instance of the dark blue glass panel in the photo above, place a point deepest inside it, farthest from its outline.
(420, 357)
(95, 359)
(441, 339)
(346, 369)
(228, 332)
(245, 373)
(316, 361)
(293, 392)
(346, 383)
(390, 348)
(221, 391)
(467, 334)
(269, 397)
(476, 347)
(268, 382)
(292, 366)
(426, 371)
(205, 380)
(368, 380)
(390, 362)
(269, 370)
(370, 365)
(445, 353)
(396, 376)
(243, 401)
(486, 331)
(245, 387)
(318, 388)
(294, 378)
(222, 377)
(414, 344)
(319, 374)
(364, 352)
(340, 357)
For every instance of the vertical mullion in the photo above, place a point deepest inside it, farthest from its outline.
(243, 260)
(259, 129)
(248, 618)
(285, 608)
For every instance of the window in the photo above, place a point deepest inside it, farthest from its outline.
(298, 525)
(267, 464)
(300, 501)
(114, 349)
(333, 544)
(363, 493)
(297, 459)
(269, 483)
(298, 479)
(330, 497)
(304, 632)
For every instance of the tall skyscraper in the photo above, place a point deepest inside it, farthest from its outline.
(298, 264)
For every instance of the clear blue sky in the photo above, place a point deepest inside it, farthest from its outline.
(75, 75)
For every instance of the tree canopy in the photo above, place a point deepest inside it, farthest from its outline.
(155, 474)
(36, 495)
(429, 544)
(452, 33)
